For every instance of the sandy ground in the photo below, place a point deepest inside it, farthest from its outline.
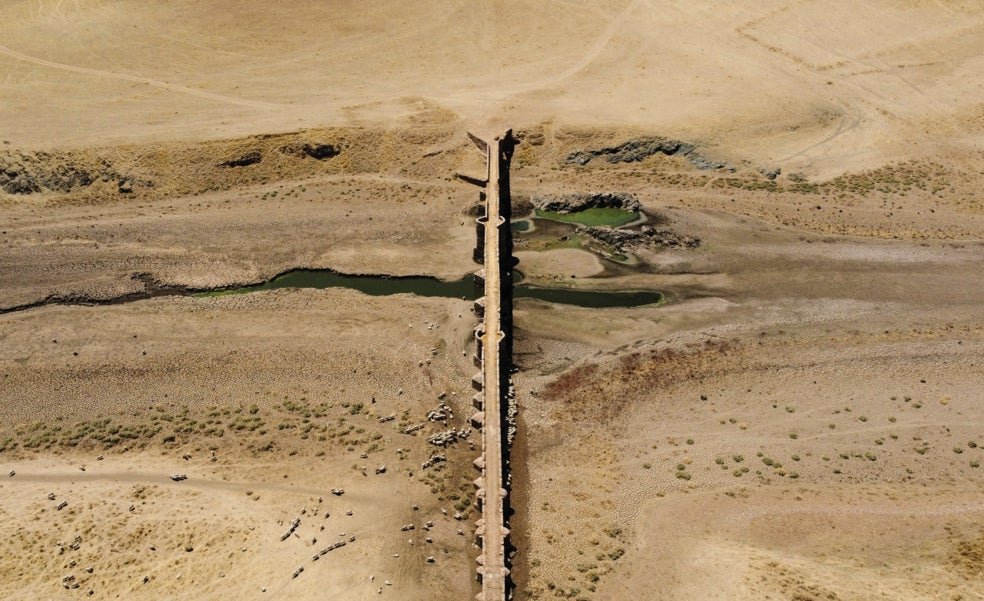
(809, 85)
(265, 420)
(841, 371)
(799, 421)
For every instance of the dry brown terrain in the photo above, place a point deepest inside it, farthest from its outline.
(800, 420)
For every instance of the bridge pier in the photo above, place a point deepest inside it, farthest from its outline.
(478, 255)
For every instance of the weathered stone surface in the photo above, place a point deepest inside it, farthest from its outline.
(625, 239)
(771, 173)
(639, 149)
(569, 203)
(18, 182)
(250, 158)
(29, 173)
(315, 151)
(533, 138)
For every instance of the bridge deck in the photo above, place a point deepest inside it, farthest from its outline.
(492, 528)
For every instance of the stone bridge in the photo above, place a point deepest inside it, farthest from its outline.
(493, 352)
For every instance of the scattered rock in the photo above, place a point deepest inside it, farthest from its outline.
(433, 460)
(770, 173)
(443, 439)
(442, 413)
(291, 529)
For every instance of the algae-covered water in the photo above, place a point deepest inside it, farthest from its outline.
(592, 217)
(469, 288)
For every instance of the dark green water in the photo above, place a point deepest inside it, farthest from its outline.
(467, 288)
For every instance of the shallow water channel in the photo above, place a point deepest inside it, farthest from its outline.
(468, 288)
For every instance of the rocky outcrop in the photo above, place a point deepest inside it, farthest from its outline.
(29, 173)
(639, 149)
(771, 173)
(533, 138)
(18, 181)
(136, 170)
(250, 158)
(623, 239)
(314, 151)
(570, 203)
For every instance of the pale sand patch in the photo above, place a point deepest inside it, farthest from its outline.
(572, 262)
(810, 87)
(128, 529)
(804, 542)
(285, 389)
(850, 381)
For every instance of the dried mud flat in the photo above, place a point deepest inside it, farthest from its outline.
(800, 420)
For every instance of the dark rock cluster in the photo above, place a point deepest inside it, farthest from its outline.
(771, 173)
(315, 151)
(639, 149)
(249, 158)
(623, 239)
(301, 150)
(29, 173)
(570, 203)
